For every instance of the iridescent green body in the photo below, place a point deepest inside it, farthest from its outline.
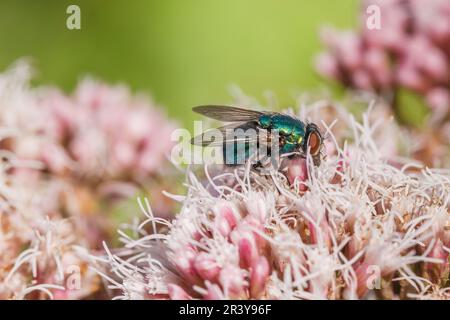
(291, 129)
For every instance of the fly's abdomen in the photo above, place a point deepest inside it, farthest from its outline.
(235, 153)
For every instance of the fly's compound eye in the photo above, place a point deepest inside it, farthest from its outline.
(314, 143)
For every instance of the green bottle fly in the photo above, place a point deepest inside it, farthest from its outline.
(242, 137)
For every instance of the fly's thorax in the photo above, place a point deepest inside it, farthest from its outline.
(299, 132)
(296, 138)
(290, 131)
(288, 148)
(296, 135)
(265, 121)
(283, 124)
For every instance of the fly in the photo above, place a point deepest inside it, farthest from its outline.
(291, 135)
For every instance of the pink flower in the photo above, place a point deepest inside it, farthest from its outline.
(64, 157)
(410, 48)
(100, 131)
(262, 237)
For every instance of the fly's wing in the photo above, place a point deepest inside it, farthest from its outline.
(228, 113)
(235, 132)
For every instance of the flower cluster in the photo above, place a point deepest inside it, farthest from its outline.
(399, 44)
(63, 158)
(100, 133)
(360, 225)
(43, 238)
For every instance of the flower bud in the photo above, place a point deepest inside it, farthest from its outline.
(177, 293)
(259, 275)
(206, 267)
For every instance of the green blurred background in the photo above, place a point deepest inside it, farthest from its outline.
(183, 53)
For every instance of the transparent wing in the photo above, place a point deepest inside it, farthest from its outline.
(236, 132)
(227, 113)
